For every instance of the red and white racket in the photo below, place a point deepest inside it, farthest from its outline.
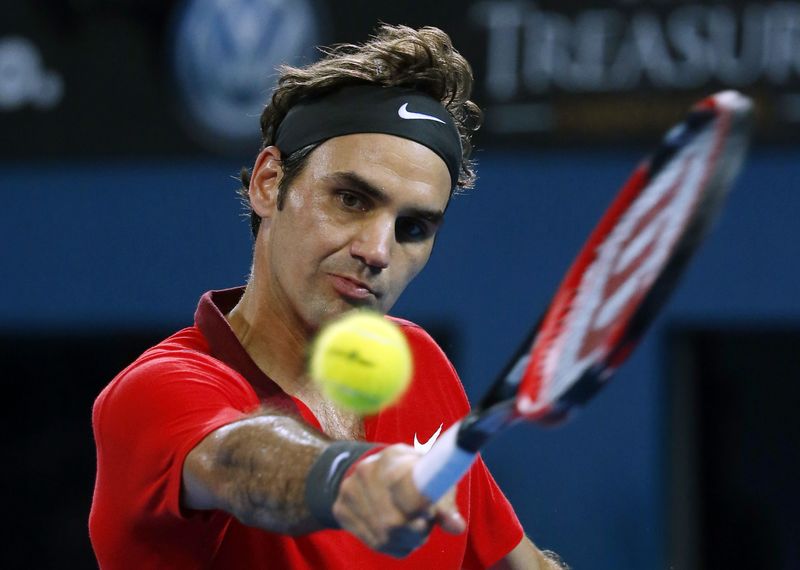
(615, 287)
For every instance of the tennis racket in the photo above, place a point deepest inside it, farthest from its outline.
(615, 287)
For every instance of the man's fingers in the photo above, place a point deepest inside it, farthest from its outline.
(407, 498)
(422, 525)
(447, 514)
(349, 517)
(451, 521)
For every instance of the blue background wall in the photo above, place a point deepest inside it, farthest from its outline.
(112, 246)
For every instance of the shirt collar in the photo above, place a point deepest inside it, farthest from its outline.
(225, 346)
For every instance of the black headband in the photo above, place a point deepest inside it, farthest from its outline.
(355, 109)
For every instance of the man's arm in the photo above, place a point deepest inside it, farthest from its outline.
(257, 468)
(526, 556)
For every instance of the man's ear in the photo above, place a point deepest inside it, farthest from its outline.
(264, 181)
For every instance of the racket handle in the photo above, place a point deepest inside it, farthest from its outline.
(443, 466)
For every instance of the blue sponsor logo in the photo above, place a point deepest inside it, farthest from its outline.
(225, 59)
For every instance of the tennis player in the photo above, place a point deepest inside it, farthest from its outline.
(214, 448)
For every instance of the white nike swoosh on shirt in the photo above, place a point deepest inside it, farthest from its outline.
(426, 447)
(404, 113)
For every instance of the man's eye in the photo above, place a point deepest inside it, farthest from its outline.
(351, 201)
(409, 229)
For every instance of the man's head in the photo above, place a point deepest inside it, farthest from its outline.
(423, 60)
(376, 139)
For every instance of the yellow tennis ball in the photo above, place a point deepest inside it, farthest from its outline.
(362, 362)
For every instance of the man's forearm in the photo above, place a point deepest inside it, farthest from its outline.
(256, 470)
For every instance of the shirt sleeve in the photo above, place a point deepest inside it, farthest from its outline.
(494, 529)
(148, 420)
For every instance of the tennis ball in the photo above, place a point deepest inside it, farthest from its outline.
(361, 361)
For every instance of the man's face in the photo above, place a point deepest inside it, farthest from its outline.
(356, 226)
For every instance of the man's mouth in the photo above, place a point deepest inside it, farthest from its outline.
(352, 288)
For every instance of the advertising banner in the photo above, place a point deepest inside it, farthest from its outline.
(109, 78)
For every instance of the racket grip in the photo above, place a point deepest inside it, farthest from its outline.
(443, 466)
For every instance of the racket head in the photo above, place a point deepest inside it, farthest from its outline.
(632, 261)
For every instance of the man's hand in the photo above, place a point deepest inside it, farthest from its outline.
(379, 503)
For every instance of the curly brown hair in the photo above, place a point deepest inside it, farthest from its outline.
(396, 56)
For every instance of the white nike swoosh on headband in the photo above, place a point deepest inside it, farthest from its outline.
(404, 113)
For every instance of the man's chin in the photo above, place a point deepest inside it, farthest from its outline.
(344, 305)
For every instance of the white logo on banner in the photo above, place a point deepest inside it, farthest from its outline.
(23, 78)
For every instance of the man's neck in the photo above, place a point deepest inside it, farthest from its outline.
(276, 342)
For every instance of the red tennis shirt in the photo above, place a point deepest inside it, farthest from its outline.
(155, 411)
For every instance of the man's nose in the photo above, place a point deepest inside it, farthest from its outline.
(373, 243)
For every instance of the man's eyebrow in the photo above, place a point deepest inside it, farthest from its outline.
(355, 181)
(434, 217)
